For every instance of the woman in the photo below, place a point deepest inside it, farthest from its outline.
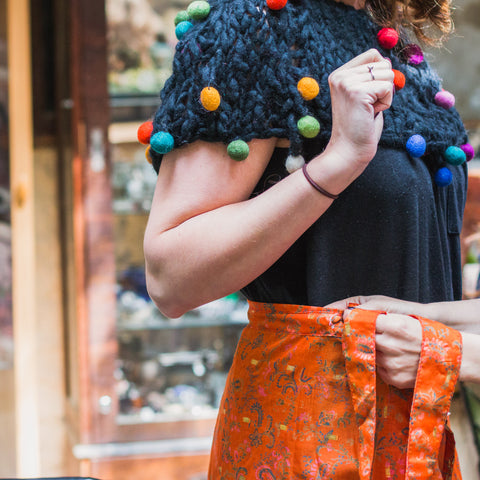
(399, 335)
(258, 89)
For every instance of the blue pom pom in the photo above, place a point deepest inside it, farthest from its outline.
(416, 146)
(443, 177)
(162, 142)
(455, 155)
(182, 28)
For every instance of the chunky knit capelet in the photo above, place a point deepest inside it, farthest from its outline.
(254, 57)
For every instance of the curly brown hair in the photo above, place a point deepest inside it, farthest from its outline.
(417, 15)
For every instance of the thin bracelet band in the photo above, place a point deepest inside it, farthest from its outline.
(316, 186)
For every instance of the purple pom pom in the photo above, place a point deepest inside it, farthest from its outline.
(413, 54)
(445, 99)
(469, 152)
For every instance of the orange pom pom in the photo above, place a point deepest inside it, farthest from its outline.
(398, 80)
(210, 98)
(308, 88)
(147, 154)
(144, 132)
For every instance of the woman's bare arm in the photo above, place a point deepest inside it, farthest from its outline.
(205, 238)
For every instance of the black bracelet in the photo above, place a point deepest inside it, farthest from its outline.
(316, 186)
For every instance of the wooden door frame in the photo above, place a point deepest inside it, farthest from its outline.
(27, 420)
(93, 224)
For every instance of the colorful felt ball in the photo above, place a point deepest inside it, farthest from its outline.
(454, 155)
(443, 177)
(181, 16)
(308, 88)
(182, 28)
(413, 53)
(147, 154)
(276, 4)
(294, 162)
(416, 146)
(469, 151)
(144, 132)
(445, 99)
(238, 150)
(162, 142)
(398, 79)
(387, 38)
(210, 98)
(308, 126)
(198, 10)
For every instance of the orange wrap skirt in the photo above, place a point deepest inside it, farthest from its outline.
(303, 401)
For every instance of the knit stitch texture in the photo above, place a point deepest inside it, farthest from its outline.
(255, 57)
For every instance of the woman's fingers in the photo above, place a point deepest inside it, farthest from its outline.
(368, 72)
(398, 342)
(372, 55)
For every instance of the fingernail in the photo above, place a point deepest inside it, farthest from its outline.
(386, 58)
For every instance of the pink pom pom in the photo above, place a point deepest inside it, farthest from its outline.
(445, 99)
(469, 152)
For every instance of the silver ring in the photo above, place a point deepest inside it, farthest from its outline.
(370, 68)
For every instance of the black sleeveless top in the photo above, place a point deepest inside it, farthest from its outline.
(392, 232)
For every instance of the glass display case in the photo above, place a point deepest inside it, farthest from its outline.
(167, 369)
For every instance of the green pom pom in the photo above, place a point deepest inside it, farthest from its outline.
(308, 126)
(198, 9)
(238, 150)
(181, 16)
(454, 155)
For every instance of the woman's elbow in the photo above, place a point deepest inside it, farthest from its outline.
(163, 296)
(159, 286)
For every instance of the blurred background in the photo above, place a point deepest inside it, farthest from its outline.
(93, 380)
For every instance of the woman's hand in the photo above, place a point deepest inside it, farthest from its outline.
(360, 90)
(398, 337)
(398, 343)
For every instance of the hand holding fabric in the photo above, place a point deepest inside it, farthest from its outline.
(398, 343)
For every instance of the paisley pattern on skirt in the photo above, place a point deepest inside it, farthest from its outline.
(303, 401)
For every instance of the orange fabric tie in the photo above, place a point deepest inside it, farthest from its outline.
(438, 370)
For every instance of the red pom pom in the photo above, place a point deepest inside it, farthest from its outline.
(144, 132)
(387, 38)
(398, 79)
(276, 4)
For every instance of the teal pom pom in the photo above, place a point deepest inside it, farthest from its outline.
(162, 142)
(181, 16)
(198, 10)
(308, 126)
(454, 155)
(238, 150)
(182, 28)
(416, 146)
(443, 177)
